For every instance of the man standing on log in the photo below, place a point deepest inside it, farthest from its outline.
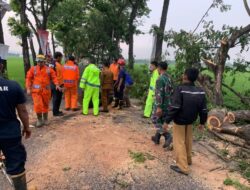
(187, 103)
(151, 92)
(12, 98)
(163, 92)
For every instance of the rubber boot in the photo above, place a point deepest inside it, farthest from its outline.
(116, 103)
(45, 119)
(168, 140)
(121, 104)
(19, 181)
(156, 138)
(39, 122)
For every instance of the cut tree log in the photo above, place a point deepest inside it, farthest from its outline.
(240, 115)
(216, 117)
(232, 139)
(240, 131)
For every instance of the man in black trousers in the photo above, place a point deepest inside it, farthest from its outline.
(57, 94)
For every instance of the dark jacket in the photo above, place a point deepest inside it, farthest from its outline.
(188, 101)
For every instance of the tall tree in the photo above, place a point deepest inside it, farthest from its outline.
(160, 31)
(19, 27)
(138, 9)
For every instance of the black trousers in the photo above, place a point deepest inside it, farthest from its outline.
(57, 99)
(15, 155)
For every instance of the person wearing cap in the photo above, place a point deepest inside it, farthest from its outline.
(38, 81)
(163, 92)
(12, 99)
(188, 102)
(120, 84)
(151, 92)
(90, 83)
(70, 79)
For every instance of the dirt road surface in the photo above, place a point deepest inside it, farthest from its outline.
(79, 152)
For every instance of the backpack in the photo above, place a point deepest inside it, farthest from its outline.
(129, 81)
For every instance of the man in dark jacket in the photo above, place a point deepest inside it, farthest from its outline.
(187, 103)
(12, 99)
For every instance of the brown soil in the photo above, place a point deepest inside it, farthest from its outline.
(85, 152)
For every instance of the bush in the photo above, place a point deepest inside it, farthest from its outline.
(141, 77)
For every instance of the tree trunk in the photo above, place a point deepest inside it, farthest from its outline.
(239, 131)
(32, 49)
(216, 118)
(237, 116)
(1, 30)
(160, 33)
(131, 30)
(53, 43)
(25, 45)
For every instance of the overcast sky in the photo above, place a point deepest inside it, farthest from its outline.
(182, 15)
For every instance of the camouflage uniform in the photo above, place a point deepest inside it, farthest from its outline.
(163, 92)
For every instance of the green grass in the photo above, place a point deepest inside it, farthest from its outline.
(236, 184)
(238, 81)
(16, 69)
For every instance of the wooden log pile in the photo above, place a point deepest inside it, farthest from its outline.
(222, 121)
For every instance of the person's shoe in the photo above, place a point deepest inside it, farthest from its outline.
(156, 138)
(177, 169)
(116, 104)
(45, 119)
(67, 109)
(104, 111)
(121, 103)
(75, 109)
(168, 140)
(58, 114)
(39, 122)
(19, 181)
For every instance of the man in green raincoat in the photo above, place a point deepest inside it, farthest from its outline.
(90, 83)
(151, 93)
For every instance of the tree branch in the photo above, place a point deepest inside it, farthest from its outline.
(247, 7)
(202, 18)
(243, 99)
(209, 63)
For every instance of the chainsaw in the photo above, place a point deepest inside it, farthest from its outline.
(3, 168)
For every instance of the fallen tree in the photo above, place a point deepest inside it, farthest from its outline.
(237, 116)
(221, 121)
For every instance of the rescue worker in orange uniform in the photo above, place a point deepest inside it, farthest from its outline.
(38, 81)
(70, 80)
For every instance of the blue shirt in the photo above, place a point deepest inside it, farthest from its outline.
(11, 94)
(122, 75)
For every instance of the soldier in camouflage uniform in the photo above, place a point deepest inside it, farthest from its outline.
(163, 92)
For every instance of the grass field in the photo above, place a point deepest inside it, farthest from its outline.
(241, 84)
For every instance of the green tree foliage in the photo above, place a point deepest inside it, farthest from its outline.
(94, 28)
(210, 46)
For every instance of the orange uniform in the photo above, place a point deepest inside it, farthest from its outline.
(114, 68)
(70, 79)
(38, 80)
(59, 73)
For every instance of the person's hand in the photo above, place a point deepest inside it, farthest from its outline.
(201, 128)
(28, 91)
(159, 112)
(26, 133)
(59, 88)
(165, 127)
(118, 89)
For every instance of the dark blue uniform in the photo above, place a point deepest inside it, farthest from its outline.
(11, 94)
